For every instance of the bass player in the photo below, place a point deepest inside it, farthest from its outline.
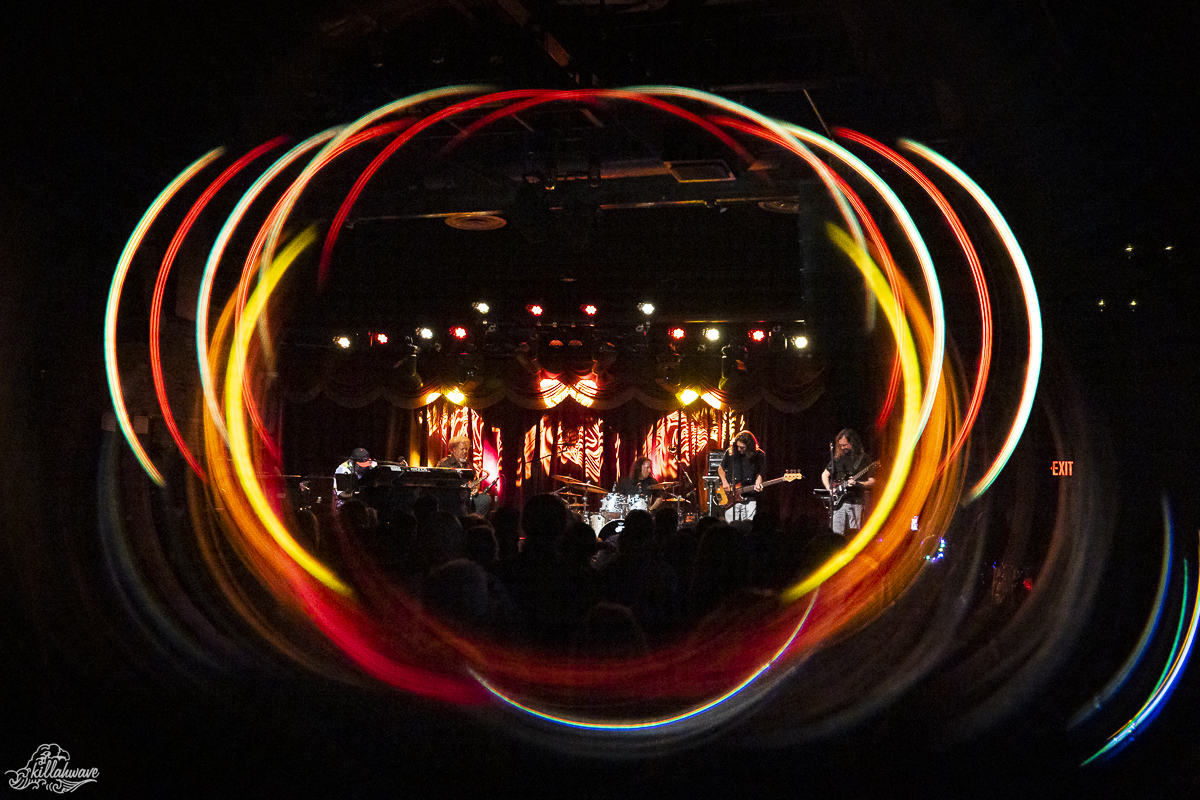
(742, 466)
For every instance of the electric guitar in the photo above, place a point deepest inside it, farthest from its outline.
(837, 492)
(737, 493)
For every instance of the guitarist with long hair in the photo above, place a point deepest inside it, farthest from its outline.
(742, 466)
(845, 479)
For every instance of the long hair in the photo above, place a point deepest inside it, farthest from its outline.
(636, 471)
(748, 438)
(856, 448)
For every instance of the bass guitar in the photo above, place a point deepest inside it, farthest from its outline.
(738, 493)
(837, 492)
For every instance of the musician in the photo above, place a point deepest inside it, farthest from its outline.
(743, 464)
(357, 465)
(639, 482)
(459, 458)
(848, 460)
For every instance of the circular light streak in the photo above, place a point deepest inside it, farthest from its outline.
(703, 680)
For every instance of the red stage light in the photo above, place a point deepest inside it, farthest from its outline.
(758, 335)
(381, 338)
(534, 309)
(459, 332)
(677, 333)
(589, 309)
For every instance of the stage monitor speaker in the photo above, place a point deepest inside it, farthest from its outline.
(714, 461)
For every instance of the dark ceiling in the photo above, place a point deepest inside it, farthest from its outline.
(600, 200)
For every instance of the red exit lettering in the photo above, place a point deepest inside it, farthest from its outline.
(1062, 468)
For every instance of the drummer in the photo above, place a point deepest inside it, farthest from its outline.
(640, 481)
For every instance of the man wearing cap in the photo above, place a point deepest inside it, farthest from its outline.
(357, 465)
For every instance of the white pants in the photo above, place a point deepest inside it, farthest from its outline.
(847, 517)
(741, 511)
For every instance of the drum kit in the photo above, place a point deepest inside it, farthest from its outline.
(613, 507)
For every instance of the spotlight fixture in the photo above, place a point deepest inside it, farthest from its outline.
(589, 309)
(758, 335)
(425, 333)
(535, 309)
(458, 332)
(800, 341)
(481, 307)
(712, 334)
(342, 342)
(687, 396)
(381, 338)
(677, 333)
(646, 308)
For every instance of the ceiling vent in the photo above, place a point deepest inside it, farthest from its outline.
(700, 171)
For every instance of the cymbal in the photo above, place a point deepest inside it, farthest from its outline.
(569, 480)
(661, 485)
(591, 489)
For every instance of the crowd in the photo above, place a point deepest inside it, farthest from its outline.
(539, 575)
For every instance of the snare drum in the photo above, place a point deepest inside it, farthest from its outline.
(612, 506)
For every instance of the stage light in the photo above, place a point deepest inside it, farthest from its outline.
(535, 309)
(758, 335)
(381, 338)
(677, 333)
(481, 307)
(425, 333)
(455, 396)
(1169, 247)
(688, 396)
(712, 334)
(646, 308)
(1128, 248)
(800, 341)
(342, 342)
(458, 332)
(1101, 304)
(589, 309)
(1133, 303)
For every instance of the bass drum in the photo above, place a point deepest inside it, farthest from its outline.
(597, 522)
(612, 506)
(636, 502)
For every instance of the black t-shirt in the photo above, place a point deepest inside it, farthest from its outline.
(743, 468)
(628, 485)
(842, 467)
